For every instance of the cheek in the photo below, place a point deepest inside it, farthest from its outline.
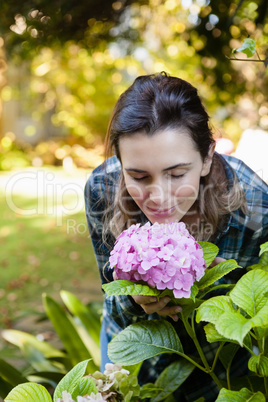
(186, 190)
(136, 191)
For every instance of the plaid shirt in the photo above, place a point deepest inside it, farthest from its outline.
(240, 239)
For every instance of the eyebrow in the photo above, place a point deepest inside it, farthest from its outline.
(179, 165)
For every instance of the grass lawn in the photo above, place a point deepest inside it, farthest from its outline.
(45, 250)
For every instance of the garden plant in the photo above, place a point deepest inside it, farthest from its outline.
(236, 318)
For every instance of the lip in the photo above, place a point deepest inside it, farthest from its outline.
(161, 212)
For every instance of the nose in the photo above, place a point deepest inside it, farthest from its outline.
(157, 194)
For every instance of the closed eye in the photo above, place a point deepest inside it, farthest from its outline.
(140, 178)
(174, 176)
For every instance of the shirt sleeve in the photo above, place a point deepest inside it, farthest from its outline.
(120, 308)
(95, 208)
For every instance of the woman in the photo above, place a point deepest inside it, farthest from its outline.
(165, 169)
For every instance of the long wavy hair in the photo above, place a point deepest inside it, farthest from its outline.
(156, 103)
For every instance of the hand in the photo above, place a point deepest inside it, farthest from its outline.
(150, 305)
(216, 261)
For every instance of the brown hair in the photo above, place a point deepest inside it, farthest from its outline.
(160, 102)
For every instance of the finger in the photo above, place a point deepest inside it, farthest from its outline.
(144, 299)
(216, 261)
(174, 317)
(155, 307)
(174, 310)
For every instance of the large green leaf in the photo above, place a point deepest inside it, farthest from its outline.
(149, 338)
(213, 335)
(88, 332)
(71, 380)
(127, 288)
(172, 377)
(11, 374)
(87, 316)
(215, 273)
(213, 308)
(233, 325)
(250, 291)
(243, 395)
(229, 322)
(67, 332)
(259, 365)
(264, 248)
(29, 392)
(20, 338)
(210, 251)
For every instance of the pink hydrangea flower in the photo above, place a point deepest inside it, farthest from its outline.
(165, 256)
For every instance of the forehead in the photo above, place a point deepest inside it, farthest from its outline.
(164, 148)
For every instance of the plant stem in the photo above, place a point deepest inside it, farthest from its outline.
(226, 286)
(265, 386)
(217, 355)
(228, 378)
(258, 55)
(257, 61)
(191, 333)
(193, 362)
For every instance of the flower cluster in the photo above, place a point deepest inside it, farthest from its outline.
(67, 397)
(109, 386)
(164, 256)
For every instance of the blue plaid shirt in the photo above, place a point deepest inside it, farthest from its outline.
(240, 239)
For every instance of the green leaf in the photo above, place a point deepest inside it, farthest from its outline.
(212, 334)
(233, 325)
(248, 47)
(215, 273)
(20, 338)
(249, 292)
(87, 315)
(37, 359)
(86, 324)
(70, 380)
(259, 365)
(5, 388)
(29, 392)
(227, 354)
(128, 385)
(262, 264)
(149, 390)
(210, 251)
(240, 396)
(67, 332)
(194, 291)
(134, 368)
(213, 308)
(85, 386)
(264, 248)
(172, 377)
(150, 338)
(127, 288)
(11, 374)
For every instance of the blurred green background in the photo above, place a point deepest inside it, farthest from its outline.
(63, 65)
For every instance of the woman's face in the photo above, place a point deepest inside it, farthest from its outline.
(162, 173)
